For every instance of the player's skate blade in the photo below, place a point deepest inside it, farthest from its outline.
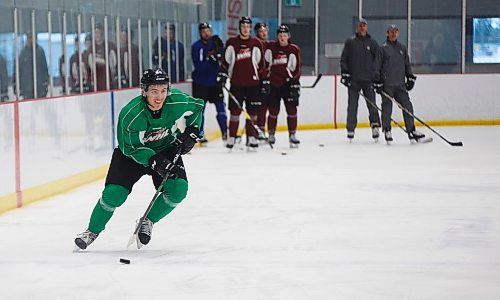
(375, 133)
(388, 137)
(84, 239)
(418, 137)
(144, 234)
(252, 144)
(294, 142)
(350, 136)
(425, 140)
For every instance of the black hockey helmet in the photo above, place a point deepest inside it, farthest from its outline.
(152, 77)
(204, 25)
(283, 29)
(258, 26)
(245, 20)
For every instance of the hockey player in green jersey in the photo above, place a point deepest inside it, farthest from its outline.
(149, 137)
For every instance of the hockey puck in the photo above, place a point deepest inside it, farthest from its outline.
(125, 261)
(283, 153)
(321, 145)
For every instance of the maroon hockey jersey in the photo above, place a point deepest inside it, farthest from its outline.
(244, 61)
(100, 65)
(284, 63)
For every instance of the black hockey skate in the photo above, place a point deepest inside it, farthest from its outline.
(272, 139)
(388, 137)
(252, 143)
(84, 239)
(375, 133)
(350, 136)
(416, 136)
(262, 138)
(203, 142)
(230, 142)
(294, 142)
(144, 234)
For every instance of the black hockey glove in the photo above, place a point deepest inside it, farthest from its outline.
(265, 87)
(293, 91)
(378, 86)
(221, 79)
(164, 166)
(186, 141)
(410, 82)
(346, 79)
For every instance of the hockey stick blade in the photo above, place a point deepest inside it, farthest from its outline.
(131, 241)
(314, 83)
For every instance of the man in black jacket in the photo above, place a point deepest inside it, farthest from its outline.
(393, 66)
(357, 65)
(26, 82)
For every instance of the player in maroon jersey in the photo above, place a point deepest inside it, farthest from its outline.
(243, 64)
(100, 59)
(262, 34)
(284, 60)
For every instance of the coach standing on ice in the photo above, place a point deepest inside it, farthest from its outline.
(357, 71)
(393, 66)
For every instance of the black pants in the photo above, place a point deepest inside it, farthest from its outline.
(125, 172)
(400, 94)
(352, 104)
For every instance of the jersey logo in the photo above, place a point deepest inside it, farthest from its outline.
(244, 54)
(280, 60)
(162, 133)
(156, 136)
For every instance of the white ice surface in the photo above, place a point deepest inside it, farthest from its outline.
(343, 221)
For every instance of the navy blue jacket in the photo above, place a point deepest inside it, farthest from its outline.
(205, 68)
(174, 46)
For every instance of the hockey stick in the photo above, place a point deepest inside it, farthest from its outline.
(314, 83)
(379, 109)
(158, 191)
(247, 115)
(460, 144)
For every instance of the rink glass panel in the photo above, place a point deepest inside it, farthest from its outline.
(337, 19)
(63, 136)
(382, 13)
(436, 36)
(301, 24)
(7, 150)
(7, 49)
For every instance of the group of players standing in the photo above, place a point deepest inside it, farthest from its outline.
(261, 73)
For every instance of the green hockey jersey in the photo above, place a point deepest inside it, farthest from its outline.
(140, 136)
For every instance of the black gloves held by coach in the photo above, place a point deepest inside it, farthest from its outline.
(378, 86)
(186, 141)
(410, 82)
(265, 87)
(346, 79)
(163, 165)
